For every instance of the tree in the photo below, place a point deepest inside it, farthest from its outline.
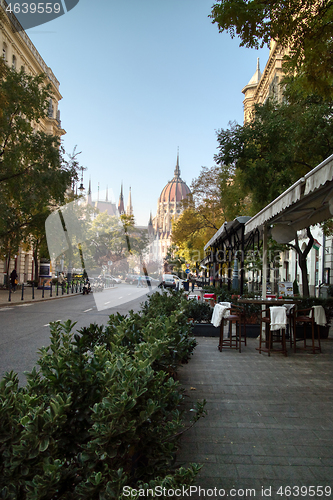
(302, 256)
(281, 144)
(303, 27)
(32, 173)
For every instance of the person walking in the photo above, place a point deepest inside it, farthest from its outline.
(13, 280)
(139, 285)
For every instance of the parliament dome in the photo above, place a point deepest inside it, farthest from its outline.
(176, 190)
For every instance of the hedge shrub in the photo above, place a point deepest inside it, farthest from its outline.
(101, 411)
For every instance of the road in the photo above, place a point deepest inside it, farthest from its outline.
(24, 328)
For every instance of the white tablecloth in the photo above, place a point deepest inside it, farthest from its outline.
(221, 310)
(278, 317)
(319, 315)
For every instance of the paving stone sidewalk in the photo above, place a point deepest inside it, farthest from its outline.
(16, 297)
(269, 422)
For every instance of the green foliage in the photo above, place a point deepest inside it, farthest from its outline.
(303, 27)
(200, 312)
(100, 412)
(281, 144)
(33, 178)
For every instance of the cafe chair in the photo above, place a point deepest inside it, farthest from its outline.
(236, 335)
(308, 317)
(275, 320)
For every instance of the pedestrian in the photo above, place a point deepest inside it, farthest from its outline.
(61, 278)
(13, 280)
(192, 283)
(139, 282)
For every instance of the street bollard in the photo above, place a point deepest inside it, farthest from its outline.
(10, 293)
(43, 291)
(57, 290)
(33, 290)
(51, 290)
(22, 294)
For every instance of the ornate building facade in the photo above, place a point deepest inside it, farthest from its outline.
(18, 52)
(169, 207)
(265, 84)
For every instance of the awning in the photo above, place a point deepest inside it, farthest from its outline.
(226, 230)
(305, 203)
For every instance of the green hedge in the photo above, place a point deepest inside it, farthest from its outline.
(100, 412)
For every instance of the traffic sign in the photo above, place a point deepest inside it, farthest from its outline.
(187, 271)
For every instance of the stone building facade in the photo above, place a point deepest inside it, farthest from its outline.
(19, 52)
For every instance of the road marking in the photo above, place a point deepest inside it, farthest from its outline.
(6, 308)
(87, 310)
(119, 297)
(48, 324)
(24, 305)
(108, 302)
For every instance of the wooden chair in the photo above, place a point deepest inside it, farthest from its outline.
(301, 316)
(271, 336)
(236, 316)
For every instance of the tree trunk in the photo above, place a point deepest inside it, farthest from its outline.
(302, 262)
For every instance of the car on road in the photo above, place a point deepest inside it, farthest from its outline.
(146, 281)
(130, 278)
(172, 281)
(116, 280)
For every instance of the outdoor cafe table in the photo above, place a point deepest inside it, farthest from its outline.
(268, 302)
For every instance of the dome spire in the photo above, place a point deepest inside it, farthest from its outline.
(177, 169)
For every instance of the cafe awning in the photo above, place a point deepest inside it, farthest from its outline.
(227, 231)
(307, 202)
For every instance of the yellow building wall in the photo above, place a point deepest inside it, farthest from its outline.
(19, 52)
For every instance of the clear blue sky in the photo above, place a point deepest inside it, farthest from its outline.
(140, 79)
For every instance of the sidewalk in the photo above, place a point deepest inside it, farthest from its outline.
(16, 297)
(269, 422)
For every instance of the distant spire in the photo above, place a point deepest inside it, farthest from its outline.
(121, 208)
(98, 193)
(129, 208)
(177, 169)
(89, 189)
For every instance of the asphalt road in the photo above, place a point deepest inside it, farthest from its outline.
(24, 328)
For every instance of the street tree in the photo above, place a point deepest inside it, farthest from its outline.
(32, 173)
(281, 144)
(303, 27)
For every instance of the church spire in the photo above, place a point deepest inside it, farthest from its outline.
(129, 208)
(177, 169)
(121, 208)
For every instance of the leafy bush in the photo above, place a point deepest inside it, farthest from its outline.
(200, 312)
(100, 412)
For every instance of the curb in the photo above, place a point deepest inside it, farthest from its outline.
(33, 301)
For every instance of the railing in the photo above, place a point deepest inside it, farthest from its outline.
(56, 290)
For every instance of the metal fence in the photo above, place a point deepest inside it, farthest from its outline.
(29, 292)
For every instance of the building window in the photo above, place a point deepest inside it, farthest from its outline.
(50, 111)
(14, 62)
(4, 51)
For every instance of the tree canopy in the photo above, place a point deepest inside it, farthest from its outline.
(33, 175)
(304, 27)
(281, 144)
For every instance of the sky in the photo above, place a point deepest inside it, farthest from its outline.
(139, 80)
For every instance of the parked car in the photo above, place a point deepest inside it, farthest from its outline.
(169, 281)
(130, 278)
(145, 280)
(116, 280)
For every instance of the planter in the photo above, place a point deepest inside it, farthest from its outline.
(253, 330)
(205, 330)
(324, 331)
